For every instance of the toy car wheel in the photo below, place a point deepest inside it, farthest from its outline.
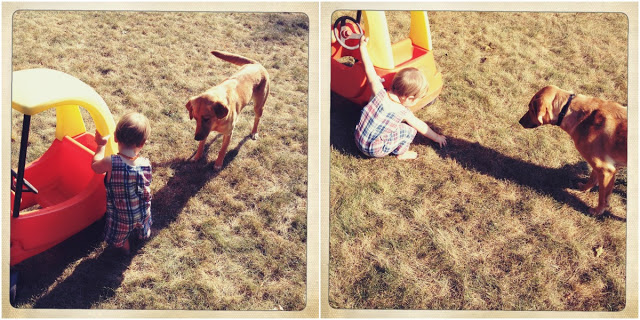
(13, 287)
(344, 31)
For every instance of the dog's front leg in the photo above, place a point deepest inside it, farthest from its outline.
(200, 150)
(223, 151)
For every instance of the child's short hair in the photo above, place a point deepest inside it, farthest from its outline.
(409, 82)
(133, 129)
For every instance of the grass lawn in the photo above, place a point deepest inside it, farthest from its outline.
(493, 221)
(229, 240)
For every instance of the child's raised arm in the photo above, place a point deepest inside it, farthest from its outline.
(99, 163)
(372, 77)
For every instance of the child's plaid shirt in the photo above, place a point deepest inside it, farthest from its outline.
(381, 132)
(128, 202)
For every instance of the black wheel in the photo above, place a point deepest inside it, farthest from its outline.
(13, 288)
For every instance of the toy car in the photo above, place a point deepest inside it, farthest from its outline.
(414, 51)
(57, 195)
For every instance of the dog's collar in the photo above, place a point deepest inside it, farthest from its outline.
(564, 110)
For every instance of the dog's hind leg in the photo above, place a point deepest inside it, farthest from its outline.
(592, 182)
(610, 179)
(606, 180)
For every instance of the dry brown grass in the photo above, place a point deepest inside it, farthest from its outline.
(492, 221)
(233, 240)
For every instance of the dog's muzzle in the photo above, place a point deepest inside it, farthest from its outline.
(525, 122)
(200, 136)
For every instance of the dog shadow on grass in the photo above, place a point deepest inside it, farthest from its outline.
(187, 180)
(552, 182)
(100, 271)
(231, 154)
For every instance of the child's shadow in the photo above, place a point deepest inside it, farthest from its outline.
(94, 279)
(100, 273)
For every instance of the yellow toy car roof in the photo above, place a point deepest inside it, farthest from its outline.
(380, 48)
(36, 90)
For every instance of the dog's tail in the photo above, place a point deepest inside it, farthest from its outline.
(233, 58)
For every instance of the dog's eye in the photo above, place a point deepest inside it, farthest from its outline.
(206, 119)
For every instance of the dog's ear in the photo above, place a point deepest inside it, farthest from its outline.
(190, 108)
(542, 106)
(561, 99)
(534, 110)
(539, 110)
(220, 110)
(558, 101)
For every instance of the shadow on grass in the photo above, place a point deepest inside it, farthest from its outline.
(100, 271)
(46, 269)
(551, 182)
(344, 118)
(187, 180)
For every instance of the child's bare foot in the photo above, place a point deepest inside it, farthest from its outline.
(409, 155)
(126, 248)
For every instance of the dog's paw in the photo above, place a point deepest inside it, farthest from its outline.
(596, 212)
(254, 136)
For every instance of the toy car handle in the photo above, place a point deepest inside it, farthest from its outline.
(343, 34)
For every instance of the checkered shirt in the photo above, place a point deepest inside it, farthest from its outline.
(381, 132)
(128, 202)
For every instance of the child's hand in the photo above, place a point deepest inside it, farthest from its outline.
(441, 140)
(363, 42)
(100, 140)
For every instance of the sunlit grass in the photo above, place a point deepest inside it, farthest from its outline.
(229, 240)
(493, 221)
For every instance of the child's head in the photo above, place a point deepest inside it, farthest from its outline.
(132, 130)
(409, 84)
